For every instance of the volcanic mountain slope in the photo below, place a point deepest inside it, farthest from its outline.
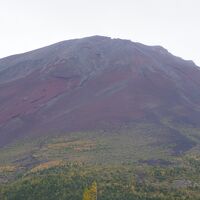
(96, 83)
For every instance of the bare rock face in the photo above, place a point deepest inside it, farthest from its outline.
(86, 83)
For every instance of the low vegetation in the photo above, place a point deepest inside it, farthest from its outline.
(107, 182)
(122, 165)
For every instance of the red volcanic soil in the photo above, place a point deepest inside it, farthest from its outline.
(87, 83)
(26, 96)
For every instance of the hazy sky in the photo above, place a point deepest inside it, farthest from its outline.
(30, 24)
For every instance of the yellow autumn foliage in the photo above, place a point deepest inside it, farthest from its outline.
(91, 192)
(7, 168)
(74, 145)
(47, 165)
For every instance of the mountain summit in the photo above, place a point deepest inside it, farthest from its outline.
(96, 83)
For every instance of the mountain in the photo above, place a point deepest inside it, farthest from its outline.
(97, 83)
(120, 117)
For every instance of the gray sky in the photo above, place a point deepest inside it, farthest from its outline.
(30, 24)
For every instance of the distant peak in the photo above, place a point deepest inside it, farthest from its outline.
(160, 49)
(99, 37)
(96, 38)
